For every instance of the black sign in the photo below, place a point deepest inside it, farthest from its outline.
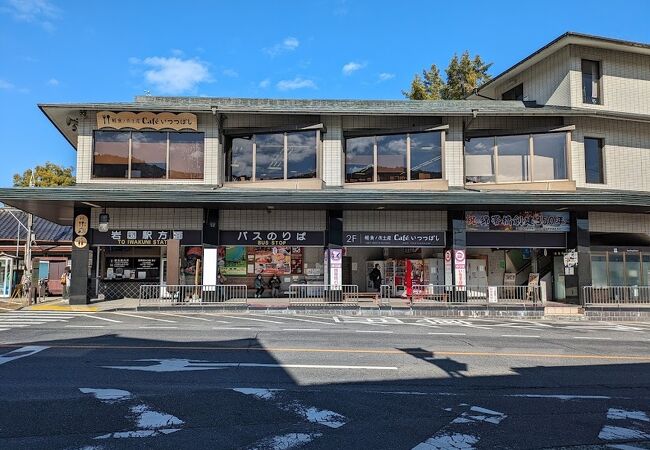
(118, 263)
(272, 238)
(394, 239)
(146, 237)
(147, 263)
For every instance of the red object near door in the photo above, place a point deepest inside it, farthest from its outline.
(408, 281)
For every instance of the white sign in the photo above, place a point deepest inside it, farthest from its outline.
(459, 269)
(492, 294)
(336, 268)
(210, 267)
(448, 268)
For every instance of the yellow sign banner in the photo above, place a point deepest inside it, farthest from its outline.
(143, 120)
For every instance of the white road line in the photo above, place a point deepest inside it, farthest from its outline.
(256, 320)
(186, 317)
(300, 320)
(21, 353)
(17, 325)
(18, 320)
(85, 326)
(519, 335)
(176, 365)
(4, 329)
(373, 331)
(301, 329)
(102, 318)
(231, 328)
(143, 317)
(33, 316)
(448, 334)
(160, 327)
(592, 338)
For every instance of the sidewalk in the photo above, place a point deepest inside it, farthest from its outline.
(60, 304)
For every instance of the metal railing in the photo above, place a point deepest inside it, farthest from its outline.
(482, 295)
(617, 295)
(177, 294)
(323, 293)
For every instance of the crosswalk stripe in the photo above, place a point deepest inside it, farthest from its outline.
(143, 317)
(256, 320)
(92, 316)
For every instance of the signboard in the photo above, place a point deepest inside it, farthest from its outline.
(492, 294)
(509, 279)
(142, 120)
(146, 237)
(147, 263)
(80, 242)
(336, 268)
(394, 239)
(459, 269)
(449, 274)
(272, 238)
(530, 221)
(234, 261)
(81, 225)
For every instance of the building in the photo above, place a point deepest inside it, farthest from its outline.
(51, 248)
(543, 173)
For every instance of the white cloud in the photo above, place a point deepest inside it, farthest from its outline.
(296, 83)
(41, 12)
(7, 86)
(174, 75)
(232, 73)
(265, 83)
(384, 76)
(288, 44)
(351, 67)
(53, 82)
(177, 52)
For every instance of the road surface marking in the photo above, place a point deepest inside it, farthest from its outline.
(160, 327)
(593, 338)
(301, 320)
(186, 317)
(21, 352)
(93, 316)
(143, 317)
(448, 334)
(231, 328)
(519, 335)
(182, 365)
(374, 331)
(85, 326)
(256, 320)
(562, 397)
(301, 329)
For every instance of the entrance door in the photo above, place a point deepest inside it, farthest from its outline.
(5, 277)
(54, 277)
(559, 287)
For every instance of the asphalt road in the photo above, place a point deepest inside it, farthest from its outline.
(276, 381)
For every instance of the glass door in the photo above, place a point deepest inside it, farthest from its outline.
(5, 277)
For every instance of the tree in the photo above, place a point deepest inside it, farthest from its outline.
(463, 74)
(48, 175)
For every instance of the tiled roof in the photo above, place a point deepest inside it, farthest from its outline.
(44, 230)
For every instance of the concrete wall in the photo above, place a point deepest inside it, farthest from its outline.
(298, 220)
(604, 222)
(422, 221)
(151, 218)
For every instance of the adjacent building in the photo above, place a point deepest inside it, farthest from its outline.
(542, 174)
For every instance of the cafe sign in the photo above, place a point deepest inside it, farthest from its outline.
(146, 120)
(394, 239)
(146, 237)
(272, 238)
(529, 221)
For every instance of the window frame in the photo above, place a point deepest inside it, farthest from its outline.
(409, 169)
(600, 98)
(601, 141)
(513, 91)
(531, 158)
(641, 265)
(228, 138)
(130, 157)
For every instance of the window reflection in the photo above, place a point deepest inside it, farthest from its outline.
(391, 158)
(359, 159)
(426, 156)
(549, 154)
(480, 160)
(111, 154)
(301, 154)
(513, 158)
(269, 156)
(148, 155)
(240, 159)
(186, 156)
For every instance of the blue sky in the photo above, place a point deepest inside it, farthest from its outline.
(83, 51)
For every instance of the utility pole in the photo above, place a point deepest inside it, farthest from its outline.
(28, 241)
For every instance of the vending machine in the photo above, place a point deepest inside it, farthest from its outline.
(435, 273)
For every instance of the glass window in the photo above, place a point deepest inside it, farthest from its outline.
(516, 93)
(479, 160)
(616, 269)
(359, 159)
(301, 154)
(426, 156)
(111, 154)
(599, 270)
(633, 269)
(148, 155)
(391, 157)
(594, 168)
(513, 158)
(269, 156)
(239, 159)
(591, 82)
(186, 156)
(645, 269)
(549, 157)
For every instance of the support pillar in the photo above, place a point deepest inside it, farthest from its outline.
(334, 241)
(457, 240)
(81, 242)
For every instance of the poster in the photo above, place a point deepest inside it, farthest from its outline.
(448, 268)
(234, 261)
(460, 272)
(296, 260)
(273, 260)
(531, 221)
(336, 268)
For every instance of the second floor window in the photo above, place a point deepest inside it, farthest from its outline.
(272, 156)
(394, 157)
(148, 154)
(516, 93)
(591, 85)
(516, 158)
(594, 167)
